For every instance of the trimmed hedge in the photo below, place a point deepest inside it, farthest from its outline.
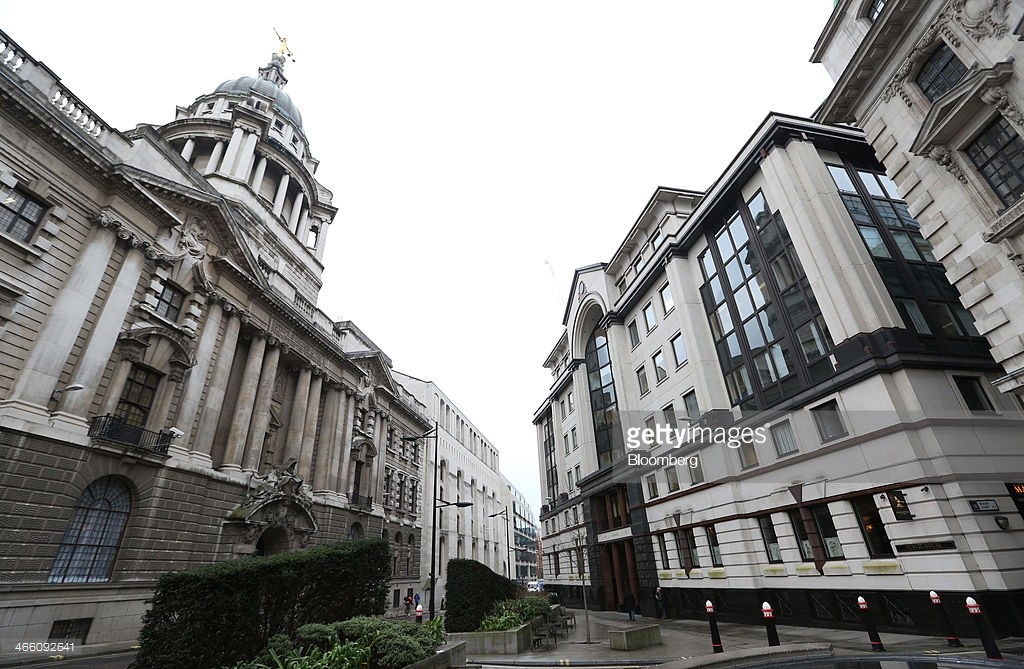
(224, 613)
(471, 593)
(510, 613)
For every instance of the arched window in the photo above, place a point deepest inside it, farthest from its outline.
(89, 546)
(603, 401)
(355, 531)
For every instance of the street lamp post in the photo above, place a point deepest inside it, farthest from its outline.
(432, 434)
(504, 514)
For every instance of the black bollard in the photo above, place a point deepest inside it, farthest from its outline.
(869, 623)
(987, 638)
(716, 638)
(769, 624)
(951, 637)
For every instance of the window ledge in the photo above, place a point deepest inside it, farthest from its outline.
(806, 569)
(775, 570)
(696, 572)
(837, 569)
(1008, 224)
(31, 252)
(716, 572)
(883, 567)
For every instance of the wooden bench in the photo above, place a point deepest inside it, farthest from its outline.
(631, 638)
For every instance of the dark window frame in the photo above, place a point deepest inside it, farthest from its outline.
(94, 533)
(21, 213)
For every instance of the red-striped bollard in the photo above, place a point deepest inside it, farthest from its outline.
(769, 624)
(716, 638)
(869, 623)
(988, 640)
(951, 637)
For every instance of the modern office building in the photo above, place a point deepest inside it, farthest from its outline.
(524, 535)
(468, 472)
(170, 396)
(934, 85)
(771, 392)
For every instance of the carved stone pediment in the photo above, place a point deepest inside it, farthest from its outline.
(280, 499)
(950, 112)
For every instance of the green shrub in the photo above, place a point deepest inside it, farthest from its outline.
(316, 634)
(472, 591)
(510, 613)
(228, 611)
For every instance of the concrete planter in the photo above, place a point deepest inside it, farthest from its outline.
(451, 656)
(506, 642)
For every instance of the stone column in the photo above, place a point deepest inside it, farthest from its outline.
(246, 157)
(257, 177)
(321, 237)
(117, 381)
(161, 409)
(231, 155)
(55, 339)
(244, 404)
(309, 429)
(104, 335)
(297, 417)
(218, 151)
(302, 227)
(210, 416)
(186, 151)
(343, 484)
(329, 433)
(293, 217)
(261, 408)
(282, 191)
(189, 408)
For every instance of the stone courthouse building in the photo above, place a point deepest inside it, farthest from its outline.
(170, 396)
(936, 86)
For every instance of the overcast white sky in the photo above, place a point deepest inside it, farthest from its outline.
(478, 151)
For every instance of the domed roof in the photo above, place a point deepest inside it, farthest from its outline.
(269, 84)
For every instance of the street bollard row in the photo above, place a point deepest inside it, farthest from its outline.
(973, 608)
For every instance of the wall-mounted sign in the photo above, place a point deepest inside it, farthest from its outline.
(898, 502)
(925, 546)
(984, 505)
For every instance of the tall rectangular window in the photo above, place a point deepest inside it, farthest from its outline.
(565, 440)
(678, 349)
(829, 421)
(575, 441)
(872, 527)
(667, 303)
(572, 404)
(660, 373)
(782, 437)
(973, 394)
(696, 471)
(691, 546)
(634, 333)
(692, 409)
(771, 540)
(806, 551)
(137, 396)
(650, 319)
(716, 550)
(652, 486)
(641, 380)
(673, 478)
(663, 550)
(827, 531)
(20, 214)
(940, 72)
(748, 453)
(998, 153)
(669, 416)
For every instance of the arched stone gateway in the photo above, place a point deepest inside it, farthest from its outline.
(276, 517)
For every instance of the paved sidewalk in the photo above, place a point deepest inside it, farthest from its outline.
(689, 638)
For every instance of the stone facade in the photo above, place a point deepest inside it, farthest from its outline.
(468, 472)
(928, 80)
(834, 433)
(170, 396)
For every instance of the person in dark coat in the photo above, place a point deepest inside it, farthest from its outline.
(659, 602)
(630, 603)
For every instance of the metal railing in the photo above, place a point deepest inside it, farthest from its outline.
(360, 501)
(114, 429)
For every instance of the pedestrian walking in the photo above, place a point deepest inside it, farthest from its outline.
(630, 603)
(416, 599)
(408, 604)
(659, 602)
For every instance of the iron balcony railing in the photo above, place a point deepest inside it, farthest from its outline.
(360, 501)
(114, 429)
